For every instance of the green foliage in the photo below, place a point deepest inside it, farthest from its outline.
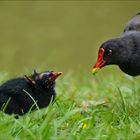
(97, 108)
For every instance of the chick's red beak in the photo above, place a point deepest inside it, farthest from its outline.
(54, 75)
(100, 61)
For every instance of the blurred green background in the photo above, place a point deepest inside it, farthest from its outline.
(58, 35)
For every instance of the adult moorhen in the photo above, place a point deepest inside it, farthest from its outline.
(123, 51)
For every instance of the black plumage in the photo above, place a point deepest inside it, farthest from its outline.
(123, 51)
(133, 24)
(20, 95)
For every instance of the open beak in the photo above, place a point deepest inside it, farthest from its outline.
(100, 62)
(55, 75)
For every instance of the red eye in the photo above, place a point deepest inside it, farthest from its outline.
(110, 52)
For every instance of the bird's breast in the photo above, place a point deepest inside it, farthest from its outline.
(132, 70)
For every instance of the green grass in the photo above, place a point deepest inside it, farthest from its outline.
(86, 108)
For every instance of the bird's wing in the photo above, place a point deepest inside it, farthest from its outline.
(133, 24)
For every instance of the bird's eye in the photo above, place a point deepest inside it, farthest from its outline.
(46, 74)
(110, 52)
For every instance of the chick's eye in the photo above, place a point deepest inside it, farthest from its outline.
(110, 52)
(43, 75)
(46, 74)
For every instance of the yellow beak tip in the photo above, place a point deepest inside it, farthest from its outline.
(95, 70)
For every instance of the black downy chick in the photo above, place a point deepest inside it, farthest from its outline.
(123, 51)
(20, 95)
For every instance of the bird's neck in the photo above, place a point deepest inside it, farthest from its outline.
(130, 69)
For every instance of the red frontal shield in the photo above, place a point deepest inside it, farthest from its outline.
(100, 61)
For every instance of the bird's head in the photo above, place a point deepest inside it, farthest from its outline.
(108, 54)
(44, 79)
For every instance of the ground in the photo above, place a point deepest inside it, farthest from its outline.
(86, 108)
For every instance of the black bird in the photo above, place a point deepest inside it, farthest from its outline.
(123, 51)
(18, 96)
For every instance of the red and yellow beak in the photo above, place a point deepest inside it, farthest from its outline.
(55, 75)
(100, 62)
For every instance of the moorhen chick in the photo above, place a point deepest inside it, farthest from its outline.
(123, 51)
(21, 94)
